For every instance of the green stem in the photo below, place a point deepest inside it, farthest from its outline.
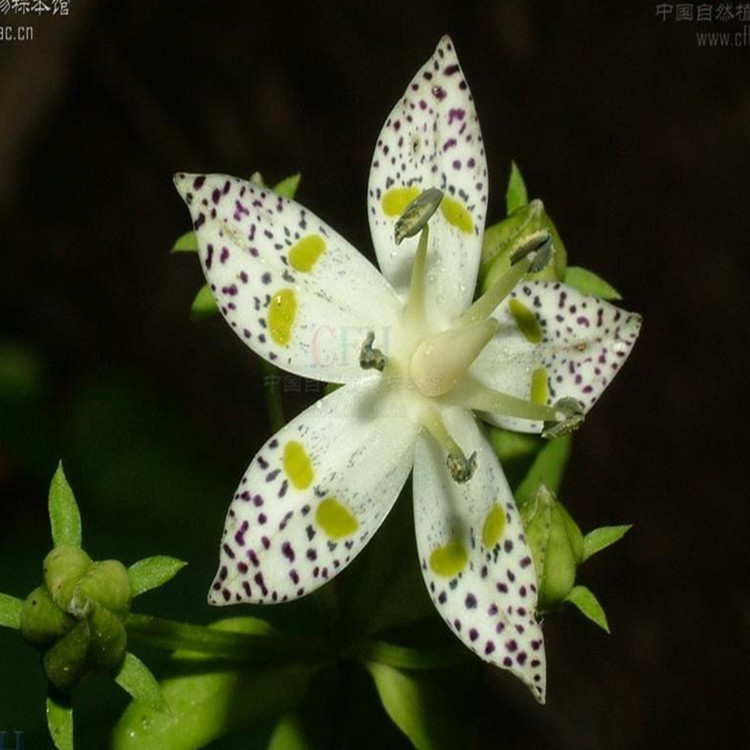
(272, 394)
(402, 657)
(246, 647)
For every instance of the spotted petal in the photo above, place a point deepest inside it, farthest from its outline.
(314, 495)
(292, 288)
(555, 341)
(474, 556)
(432, 139)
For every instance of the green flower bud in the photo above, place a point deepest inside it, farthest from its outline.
(66, 662)
(556, 546)
(105, 583)
(108, 639)
(63, 567)
(42, 621)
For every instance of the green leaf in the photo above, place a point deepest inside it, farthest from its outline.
(188, 243)
(289, 734)
(10, 611)
(210, 697)
(588, 604)
(64, 515)
(418, 708)
(152, 572)
(516, 195)
(135, 678)
(548, 469)
(588, 282)
(204, 305)
(601, 538)
(287, 188)
(60, 721)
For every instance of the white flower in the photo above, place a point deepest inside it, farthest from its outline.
(416, 359)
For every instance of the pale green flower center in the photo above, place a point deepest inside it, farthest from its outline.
(428, 365)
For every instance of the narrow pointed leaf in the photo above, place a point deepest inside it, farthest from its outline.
(588, 282)
(208, 698)
(153, 572)
(417, 707)
(60, 722)
(64, 516)
(188, 243)
(599, 539)
(289, 734)
(135, 678)
(204, 305)
(547, 469)
(10, 611)
(287, 188)
(516, 195)
(588, 604)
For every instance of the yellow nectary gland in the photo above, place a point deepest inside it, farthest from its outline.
(441, 360)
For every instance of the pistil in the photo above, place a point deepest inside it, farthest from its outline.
(441, 360)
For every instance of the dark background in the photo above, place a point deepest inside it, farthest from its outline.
(637, 140)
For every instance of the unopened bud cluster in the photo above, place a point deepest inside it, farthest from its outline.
(76, 617)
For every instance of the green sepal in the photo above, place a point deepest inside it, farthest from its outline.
(60, 721)
(603, 537)
(289, 734)
(516, 195)
(10, 611)
(188, 243)
(66, 661)
(548, 469)
(152, 572)
(203, 305)
(106, 583)
(588, 604)
(42, 621)
(418, 708)
(287, 188)
(108, 639)
(64, 516)
(63, 567)
(589, 283)
(210, 697)
(136, 678)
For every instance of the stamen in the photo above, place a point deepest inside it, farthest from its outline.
(478, 397)
(461, 468)
(417, 214)
(441, 360)
(369, 358)
(531, 256)
(415, 303)
(571, 411)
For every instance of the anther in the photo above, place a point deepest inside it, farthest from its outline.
(461, 468)
(570, 412)
(417, 214)
(539, 243)
(370, 358)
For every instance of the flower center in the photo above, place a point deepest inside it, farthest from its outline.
(432, 364)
